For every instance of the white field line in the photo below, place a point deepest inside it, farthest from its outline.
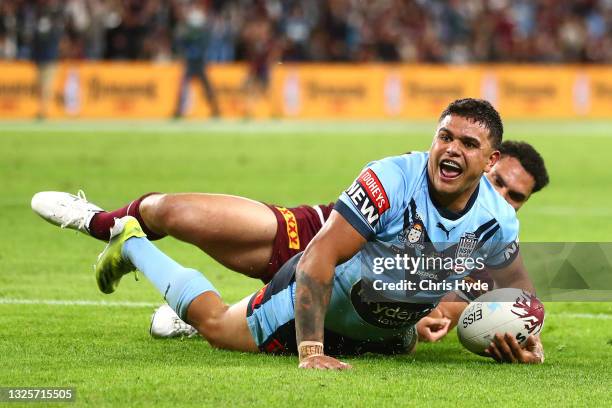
(103, 303)
(96, 303)
(585, 315)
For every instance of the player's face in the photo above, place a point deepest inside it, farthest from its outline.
(460, 153)
(512, 181)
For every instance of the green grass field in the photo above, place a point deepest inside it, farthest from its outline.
(105, 351)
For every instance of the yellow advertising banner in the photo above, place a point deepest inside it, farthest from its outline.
(18, 91)
(530, 91)
(330, 91)
(237, 97)
(319, 91)
(593, 92)
(423, 91)
(115, 90)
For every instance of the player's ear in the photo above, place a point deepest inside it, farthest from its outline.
(493, 158)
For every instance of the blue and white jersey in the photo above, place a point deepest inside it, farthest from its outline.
(391, 206)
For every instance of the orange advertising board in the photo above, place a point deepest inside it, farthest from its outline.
(115, 90)
(426, 90)
(330, 91)
(594, 92)
(318, 91)
(18, 91)
(230, 83)
(531, 91)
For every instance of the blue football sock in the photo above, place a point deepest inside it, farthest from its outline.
(178, 284)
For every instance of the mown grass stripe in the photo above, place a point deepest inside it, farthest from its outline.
(103, 303)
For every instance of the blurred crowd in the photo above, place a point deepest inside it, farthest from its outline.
(438, 31)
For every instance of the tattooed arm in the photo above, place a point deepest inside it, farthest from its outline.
(336, 242)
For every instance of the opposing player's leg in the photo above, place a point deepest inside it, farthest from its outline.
(236, 231)
(187, 291)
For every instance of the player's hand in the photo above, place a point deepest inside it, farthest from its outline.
(505, 349)
(322, 362)
(432, 328)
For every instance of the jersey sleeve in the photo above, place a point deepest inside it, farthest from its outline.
(374, 195)
(505, 247)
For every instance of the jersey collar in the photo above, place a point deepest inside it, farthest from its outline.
(445, 212)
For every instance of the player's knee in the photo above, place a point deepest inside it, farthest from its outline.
(214, 330)
(164, 210)
(150, 206)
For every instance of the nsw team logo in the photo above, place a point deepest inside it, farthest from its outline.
(467, 245)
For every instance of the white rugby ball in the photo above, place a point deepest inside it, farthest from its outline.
(502, 311)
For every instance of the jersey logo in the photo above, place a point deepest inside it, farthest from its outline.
(369, 197)
(415, 233)
(467, 245)
(292, 228)
(415, 236)
(443, 228)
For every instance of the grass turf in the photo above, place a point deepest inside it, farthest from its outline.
(105, 351)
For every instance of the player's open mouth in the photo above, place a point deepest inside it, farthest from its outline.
(449, 169)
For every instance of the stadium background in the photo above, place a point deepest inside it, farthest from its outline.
(386, 68)
(335, 59)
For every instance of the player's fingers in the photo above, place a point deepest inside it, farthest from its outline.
(433, 328)
(312, 362)
(494, 352)
(517, 351)
(531, 343)
(441, 332)
(306, 364)
(345, 366)
(436, 323)
(504, 349)
(335, 365)
(535, 349)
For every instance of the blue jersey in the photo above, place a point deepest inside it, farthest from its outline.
(391, 206)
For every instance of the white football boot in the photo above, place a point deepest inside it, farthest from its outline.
(166, 324)
(65, 210)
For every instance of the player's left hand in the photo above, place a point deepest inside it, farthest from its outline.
(432, 328)
(505, 349)
(322, 362)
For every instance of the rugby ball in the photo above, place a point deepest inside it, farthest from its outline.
(507, 310)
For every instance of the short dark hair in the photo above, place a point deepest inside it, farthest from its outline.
(530, 159)
(479, 111)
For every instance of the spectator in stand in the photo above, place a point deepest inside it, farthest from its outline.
(437, 31)
(8, 30)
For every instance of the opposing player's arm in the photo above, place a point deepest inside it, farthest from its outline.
(505, 348)
(335, 243)
(512, 275)
(442, 319)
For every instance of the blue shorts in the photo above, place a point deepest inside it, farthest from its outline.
(271, 320)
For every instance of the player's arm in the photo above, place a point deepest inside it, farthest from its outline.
(505, 348)
(336, 242)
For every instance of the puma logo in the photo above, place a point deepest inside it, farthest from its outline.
(443, 228)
